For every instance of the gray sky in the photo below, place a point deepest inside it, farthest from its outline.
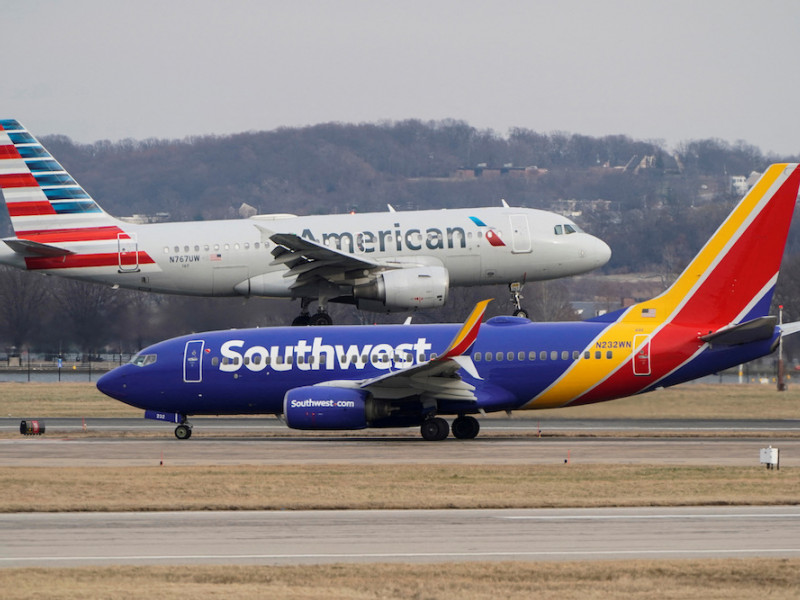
(670, 71)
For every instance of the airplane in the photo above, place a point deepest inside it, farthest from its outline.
(381, 262)
(714, 316)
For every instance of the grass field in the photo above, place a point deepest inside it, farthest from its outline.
(396, 486)
(776, 579)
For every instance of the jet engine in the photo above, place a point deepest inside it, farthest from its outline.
(404, 289)
(324, 407)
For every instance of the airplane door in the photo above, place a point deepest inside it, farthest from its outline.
(193, 361)
(128, 249)
(641, 360)
(520, 234)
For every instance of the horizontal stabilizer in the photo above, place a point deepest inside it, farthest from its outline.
(758, 329)
(30, 248)
(790, 328)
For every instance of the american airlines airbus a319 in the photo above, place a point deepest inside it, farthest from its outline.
(392, 261)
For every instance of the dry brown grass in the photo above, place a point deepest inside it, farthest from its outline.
(691, 401)
(301, 487)
(709, 579)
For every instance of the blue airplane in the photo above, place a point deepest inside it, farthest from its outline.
(714, 316)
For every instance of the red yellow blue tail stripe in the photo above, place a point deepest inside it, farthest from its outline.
(466, 336)
(732, 278)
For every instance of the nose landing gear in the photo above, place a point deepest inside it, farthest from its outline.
(516, 299)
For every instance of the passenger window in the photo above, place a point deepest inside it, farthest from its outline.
(433, 355)
(510, 355)
(532, 355)
(256, 246)
(575, 355)
(488, 357)
(587, 354)
(499, 356)
(266, 359)
(215, 361)
(564, 355)
(543, 355)
(236, 246)
(177, 249)
(278, 360)
(186, 248)
(301, 360)
(227, 246)
(598, 354)
(609, 354)
(476, 357)
(247, 360)
(166, 249)
(206, 248)
(197, 248)
(247, 245)
(289, 360)
(216, 246)
(554, 355)
(520, 355)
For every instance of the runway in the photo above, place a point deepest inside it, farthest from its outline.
(130, 452)
(315, 537)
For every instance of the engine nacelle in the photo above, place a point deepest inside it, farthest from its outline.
(324, 407)
(404, 289)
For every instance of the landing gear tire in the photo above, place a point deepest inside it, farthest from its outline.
(521, 312)
(301, 321)
(466, 428)
(183, 431)
(435, 429)
(321, 318)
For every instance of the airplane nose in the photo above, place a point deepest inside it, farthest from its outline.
(600, 252)
(114, 384)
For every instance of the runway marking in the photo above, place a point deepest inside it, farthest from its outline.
(571, 553)
(648, 517)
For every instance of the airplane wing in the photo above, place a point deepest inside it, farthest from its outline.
(308, 260)
(437, 378)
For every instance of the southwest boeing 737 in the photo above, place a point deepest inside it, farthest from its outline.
(392, 261)
(714, 316)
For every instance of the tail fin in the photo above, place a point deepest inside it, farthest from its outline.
(46, 205)
(732, 279)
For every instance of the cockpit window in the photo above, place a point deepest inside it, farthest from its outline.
(142, 360)
(566, 228)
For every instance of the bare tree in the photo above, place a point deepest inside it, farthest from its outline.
(22, 296)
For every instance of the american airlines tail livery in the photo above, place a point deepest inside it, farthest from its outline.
(715, 315)
(392, 261)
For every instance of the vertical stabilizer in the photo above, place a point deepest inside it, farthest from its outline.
(44, 202)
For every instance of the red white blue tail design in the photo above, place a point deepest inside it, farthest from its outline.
(57, 223)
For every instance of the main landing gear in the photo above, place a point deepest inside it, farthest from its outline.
(516, 299)
(304, 318)
(183, 431)
(436, 428)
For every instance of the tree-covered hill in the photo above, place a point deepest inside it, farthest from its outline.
(655, 206)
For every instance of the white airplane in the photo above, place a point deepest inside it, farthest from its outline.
(392, 261)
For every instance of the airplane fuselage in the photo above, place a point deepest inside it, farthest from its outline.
(520, 365)
(233, 257)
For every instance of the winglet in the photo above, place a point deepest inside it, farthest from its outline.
(468, 332)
